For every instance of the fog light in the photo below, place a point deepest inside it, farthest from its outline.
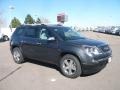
(109, 59)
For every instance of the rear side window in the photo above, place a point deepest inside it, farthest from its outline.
(18, 32)
(31, 32)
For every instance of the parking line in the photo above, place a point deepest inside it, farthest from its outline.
(10, 74)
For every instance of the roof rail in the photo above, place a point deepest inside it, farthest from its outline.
(43, 24)
(31, 24)
(36, 24)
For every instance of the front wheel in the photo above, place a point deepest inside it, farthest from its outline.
(17, 55)
(70, 66)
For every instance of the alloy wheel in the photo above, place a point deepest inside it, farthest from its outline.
(16, 55)
(69, 66)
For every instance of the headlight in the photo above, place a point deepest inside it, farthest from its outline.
(90, 50)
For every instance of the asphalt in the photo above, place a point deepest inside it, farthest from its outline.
(33, 75)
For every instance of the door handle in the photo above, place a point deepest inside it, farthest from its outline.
(23, 41)
(39, 43)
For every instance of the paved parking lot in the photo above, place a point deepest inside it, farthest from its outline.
(38, 76)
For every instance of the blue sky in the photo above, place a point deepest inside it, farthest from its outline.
(80, 12)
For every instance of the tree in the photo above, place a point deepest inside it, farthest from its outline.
(29, 19)
(45, 20)
(38, 21)
(15, 23)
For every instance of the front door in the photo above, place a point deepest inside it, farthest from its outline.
(47, 49)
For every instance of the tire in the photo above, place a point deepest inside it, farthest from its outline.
(5, 38)
(70, 66)
(17, 56)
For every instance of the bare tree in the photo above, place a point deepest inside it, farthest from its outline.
(45, 20)
(2, 20)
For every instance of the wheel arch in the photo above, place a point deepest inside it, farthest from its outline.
(15, 46)
(71, 53)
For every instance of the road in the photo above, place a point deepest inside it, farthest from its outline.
(33, 75)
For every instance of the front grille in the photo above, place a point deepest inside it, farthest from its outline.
(105, 48)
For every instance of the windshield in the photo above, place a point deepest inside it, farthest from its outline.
(67, 33)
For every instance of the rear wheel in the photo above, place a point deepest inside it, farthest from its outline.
(17, 55)
(70, 66)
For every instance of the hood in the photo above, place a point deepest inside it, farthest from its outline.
(86, 41)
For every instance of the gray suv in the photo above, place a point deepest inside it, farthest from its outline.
(73, 53)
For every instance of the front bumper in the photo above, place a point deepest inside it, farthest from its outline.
(91, 68)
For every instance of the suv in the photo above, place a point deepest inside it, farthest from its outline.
(73, 53)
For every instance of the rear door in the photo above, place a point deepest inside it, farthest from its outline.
(29, 42)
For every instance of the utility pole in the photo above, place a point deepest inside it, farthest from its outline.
(11, 8)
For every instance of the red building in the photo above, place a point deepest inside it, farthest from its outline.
(62, 18)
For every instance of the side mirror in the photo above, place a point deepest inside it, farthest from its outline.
(51, 39)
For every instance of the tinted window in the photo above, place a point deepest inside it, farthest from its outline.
(67, 33)
(32, 32)
(19, 31)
